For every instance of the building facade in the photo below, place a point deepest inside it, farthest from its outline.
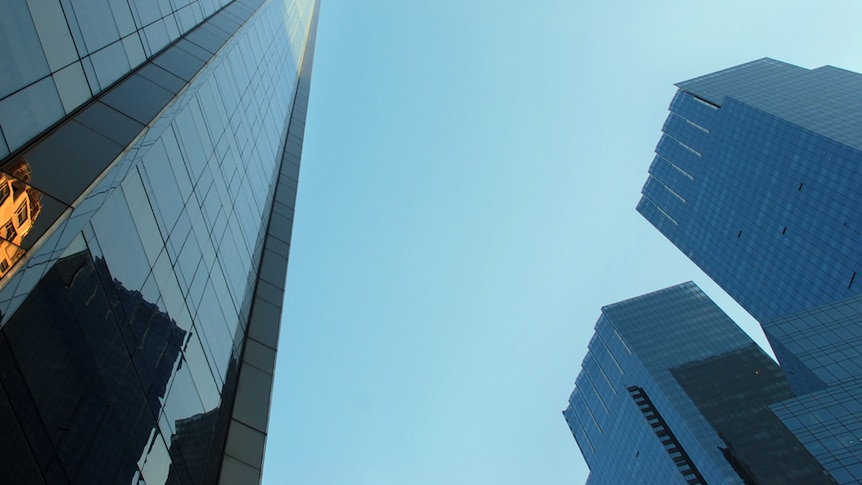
(149, 159)
(757, 179)
(673, 391)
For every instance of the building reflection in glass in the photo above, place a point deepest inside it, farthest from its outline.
(19, 208)
(106, 386)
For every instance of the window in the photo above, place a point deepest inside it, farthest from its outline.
(21, 213)
(9, 232)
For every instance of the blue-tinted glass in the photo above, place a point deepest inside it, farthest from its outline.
(179, 62)
(69, 160)
(142, 288)
(27, 112)
(72, 85)
(25, 62)
(121, 246)
(109, 122)
(672, 386)
(54, 34)
(97, 23)
(161, 77)
(770, 211)
(110, 63)
(138, 98)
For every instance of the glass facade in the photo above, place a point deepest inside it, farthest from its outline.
(756, 179)
(148, 172)
(672, 391)
(63, 52)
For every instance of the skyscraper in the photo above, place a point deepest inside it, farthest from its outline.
(149, 158)
(672, 391)
(756, 179)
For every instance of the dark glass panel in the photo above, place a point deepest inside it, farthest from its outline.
(66, 162)
(252, 398)
(733, 392)
(269, 292)
(138, 98)
(223, 23)
(206, 39)
(245, 443)
(180, 63)
(239, 10)
(235, 471)
(19, 464)
(264, 322)
(273, 268)
(280, 227)
(109, 122)
(4, 149)
(194, 50)
(259, 355)
(81, 359)
(190, 445)
(161, 77)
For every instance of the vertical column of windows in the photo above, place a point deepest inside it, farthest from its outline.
(680, 458)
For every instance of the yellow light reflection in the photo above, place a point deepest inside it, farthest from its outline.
(19, 207)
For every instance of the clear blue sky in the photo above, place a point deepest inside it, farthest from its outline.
(466, 206)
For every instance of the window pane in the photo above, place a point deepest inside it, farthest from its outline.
(109, 122)
(138, 98)
(54, 32)
(72, 85)
(96, 22)
(66, 162)
(110, 63)
(25, 63)
(26, 113)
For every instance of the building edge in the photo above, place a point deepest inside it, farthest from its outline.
(245, 437)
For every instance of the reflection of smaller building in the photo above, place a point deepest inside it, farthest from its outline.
(19, 207)
(94, 384)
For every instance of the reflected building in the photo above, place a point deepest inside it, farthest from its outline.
(91, 398)
(19, 207)
(673, 391)
(149, 159)
(757, 179)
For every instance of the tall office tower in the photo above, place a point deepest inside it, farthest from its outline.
(672, 391)
(757, 180)
(149, 158)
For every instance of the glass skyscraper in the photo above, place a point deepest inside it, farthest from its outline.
(673, 391)
(149, 158)
(757, 180)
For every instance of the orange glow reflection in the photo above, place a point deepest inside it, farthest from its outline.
(19, 207)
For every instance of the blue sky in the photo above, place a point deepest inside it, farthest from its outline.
(466, 206)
